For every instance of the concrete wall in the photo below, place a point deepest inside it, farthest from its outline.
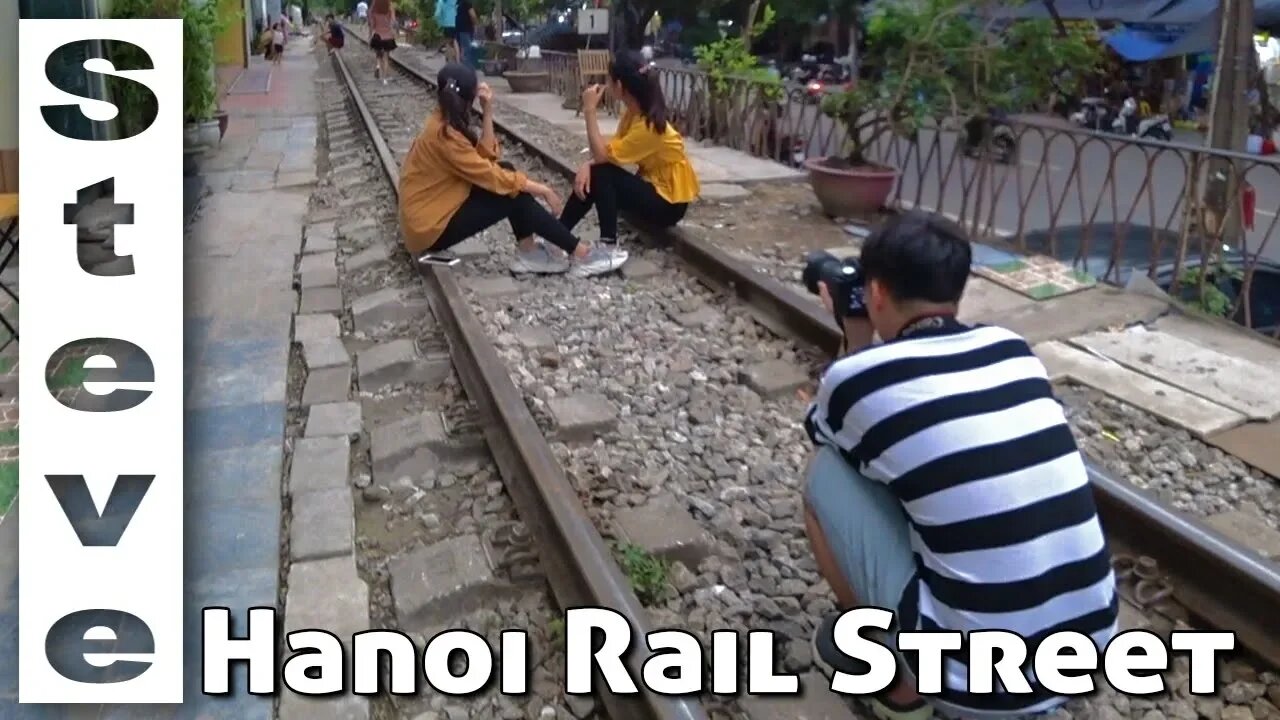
(8, 74)
(263, 9)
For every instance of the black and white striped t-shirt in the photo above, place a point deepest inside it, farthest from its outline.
(961, 423)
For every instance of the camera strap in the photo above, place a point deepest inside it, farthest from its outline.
(928, 325)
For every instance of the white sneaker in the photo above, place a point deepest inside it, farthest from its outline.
(541, 260)
(599, 260)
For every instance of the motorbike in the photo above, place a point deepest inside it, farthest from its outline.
(829, 78)
(991, 135)
(1094, 114)
(1129, 122)
(806, 70)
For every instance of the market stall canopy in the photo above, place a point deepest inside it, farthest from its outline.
(1140, 45)
(1266, 12)
(1113, 10)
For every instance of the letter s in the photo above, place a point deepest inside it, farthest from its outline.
(73, 55)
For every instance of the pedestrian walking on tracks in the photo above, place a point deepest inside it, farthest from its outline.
(382, 37)
(453, 186)
(334, 34)
(660, 192)
(466, 31)
(447, 18)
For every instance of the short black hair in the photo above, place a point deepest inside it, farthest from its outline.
(919, 256)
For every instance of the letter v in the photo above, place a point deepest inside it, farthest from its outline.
(99, 530)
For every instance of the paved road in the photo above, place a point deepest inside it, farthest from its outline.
(1068, 179)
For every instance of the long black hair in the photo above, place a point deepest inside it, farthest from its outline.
(630, 69)
(456, 86)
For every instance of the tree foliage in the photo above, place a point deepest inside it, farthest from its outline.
(730, 57)
(938, 60)
(201, 25)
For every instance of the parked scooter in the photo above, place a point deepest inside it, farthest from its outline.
(1153, 127)
(992, 135)
(1094, 114)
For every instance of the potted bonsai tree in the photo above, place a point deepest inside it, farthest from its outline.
(933, 64)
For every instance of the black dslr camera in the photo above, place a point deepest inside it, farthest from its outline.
(844, 282)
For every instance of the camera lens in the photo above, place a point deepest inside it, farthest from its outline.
(816, 266)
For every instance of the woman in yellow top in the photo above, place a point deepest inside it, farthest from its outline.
(452, 187)
(665, 184)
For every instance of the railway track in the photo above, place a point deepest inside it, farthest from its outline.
(427, 371)
(689, 438)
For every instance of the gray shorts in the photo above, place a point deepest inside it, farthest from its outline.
(865, 527)
(867, 531)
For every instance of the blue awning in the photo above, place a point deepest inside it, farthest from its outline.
(1137, 45)
(1113, 10)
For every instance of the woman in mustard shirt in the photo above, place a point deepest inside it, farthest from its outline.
(452, 186)
(665, 184)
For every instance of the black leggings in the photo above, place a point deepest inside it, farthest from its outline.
(484, 209)
(614, 189)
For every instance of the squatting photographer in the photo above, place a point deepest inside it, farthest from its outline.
(946, 485)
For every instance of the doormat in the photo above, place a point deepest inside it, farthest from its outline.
(1039, 277)
(254, 81)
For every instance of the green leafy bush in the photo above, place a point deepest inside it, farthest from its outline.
(730, 58)
(940, 60)
(201, 25)
(738, 87)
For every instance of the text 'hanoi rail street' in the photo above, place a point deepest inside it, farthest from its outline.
(599, 639)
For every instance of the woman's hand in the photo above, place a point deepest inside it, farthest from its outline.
(546, 195)
(582, 181)
(591, 97)
(484, 94)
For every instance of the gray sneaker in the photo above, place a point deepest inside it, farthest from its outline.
(600, 259)
(539, 261)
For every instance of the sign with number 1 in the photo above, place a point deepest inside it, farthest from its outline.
(594, 21)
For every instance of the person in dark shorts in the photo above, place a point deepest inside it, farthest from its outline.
(334, 34)
(382, 36)
(277, 42)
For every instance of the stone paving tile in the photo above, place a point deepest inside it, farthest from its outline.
(232, 426)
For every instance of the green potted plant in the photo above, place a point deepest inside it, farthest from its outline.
(201, 25)
(933, 64)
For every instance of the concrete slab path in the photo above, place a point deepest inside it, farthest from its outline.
(1224, 379)
(239, 305)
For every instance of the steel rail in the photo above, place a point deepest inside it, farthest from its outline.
(574, 556)
(1228, 585)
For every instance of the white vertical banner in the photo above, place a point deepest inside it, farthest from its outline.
(100, 538)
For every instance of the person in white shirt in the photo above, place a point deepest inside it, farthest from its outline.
(362, 11)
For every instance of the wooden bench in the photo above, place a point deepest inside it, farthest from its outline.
(9, 250)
